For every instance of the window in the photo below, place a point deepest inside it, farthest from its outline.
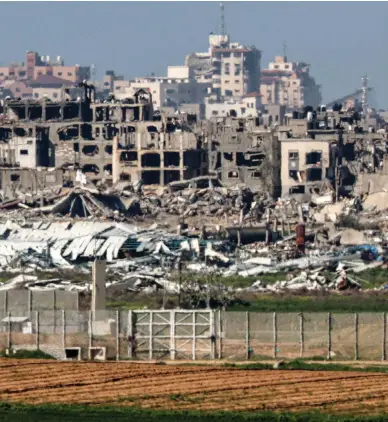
(55, 95)
(256, 175)
(243, 110)
(237, 54)
(24, 152)
(15, 177)
(36, 95)
(49, 72)
(39, 73)
(233, 175)
(17, 89)
(236, 81)
(226, 81)
(227, 69)
(314, 157)
(1, 74)
(22, 73)
(286, 66)
(297, 189)
(170, 91)
(293, 155)
(69, 74)
(226, 55)
(237, 91)
(215, 113)
(107, 84)
(59, 73)
(276, 66)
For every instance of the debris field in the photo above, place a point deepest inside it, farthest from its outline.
(208, 388)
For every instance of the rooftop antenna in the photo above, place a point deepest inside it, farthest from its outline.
(364, 97)
(285, 51)
(93, 75)
(222, 10)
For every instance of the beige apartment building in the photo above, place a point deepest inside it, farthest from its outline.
(36, 65)
(232, 68)
(289, 84)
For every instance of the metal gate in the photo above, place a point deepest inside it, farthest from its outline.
(173, 335)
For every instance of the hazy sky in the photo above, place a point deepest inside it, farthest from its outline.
(341, 40)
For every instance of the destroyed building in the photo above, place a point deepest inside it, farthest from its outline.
(243, 152)
(79, 135)
(327, 152)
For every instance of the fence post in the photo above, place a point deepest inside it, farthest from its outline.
(130, 335)
(37, 329)
(90, 331)
(6, 301)
(212, 335)
(219, 335)
(247, 336)
(29, 303)
(329, 320)
(150, 340)
(301, 329)
(356, 336)
(383, 354)
(172, 335)
(275, 335)
(63, 329)
(9, 331)
(194, 343)
(117, 335)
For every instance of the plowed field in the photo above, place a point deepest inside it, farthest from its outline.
(189, 387)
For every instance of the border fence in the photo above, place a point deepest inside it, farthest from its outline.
(18, 301)
(195, 335)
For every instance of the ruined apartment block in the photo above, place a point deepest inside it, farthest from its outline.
(244, 152)
(110, 141)
(328, 151)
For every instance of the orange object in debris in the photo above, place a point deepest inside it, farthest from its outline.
(300, 237)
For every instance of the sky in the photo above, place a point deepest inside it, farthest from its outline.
(341, 41)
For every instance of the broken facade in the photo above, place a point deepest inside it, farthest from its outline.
(328, 151)
(79, 135)
(246, 153)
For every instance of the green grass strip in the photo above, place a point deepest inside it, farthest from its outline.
(70, 413)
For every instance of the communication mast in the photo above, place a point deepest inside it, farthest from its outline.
(222, 10)
(364, 97)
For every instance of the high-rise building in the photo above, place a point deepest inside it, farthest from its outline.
(232, 68)
(289, 84)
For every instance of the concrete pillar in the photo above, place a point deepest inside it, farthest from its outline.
(181, 160)
(98, 280)
(115, 160)
(44, 111)
(161, 182)
(141, 113)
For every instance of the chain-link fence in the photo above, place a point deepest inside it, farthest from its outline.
(195, 335)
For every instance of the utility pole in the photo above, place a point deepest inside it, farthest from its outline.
(364, 98)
